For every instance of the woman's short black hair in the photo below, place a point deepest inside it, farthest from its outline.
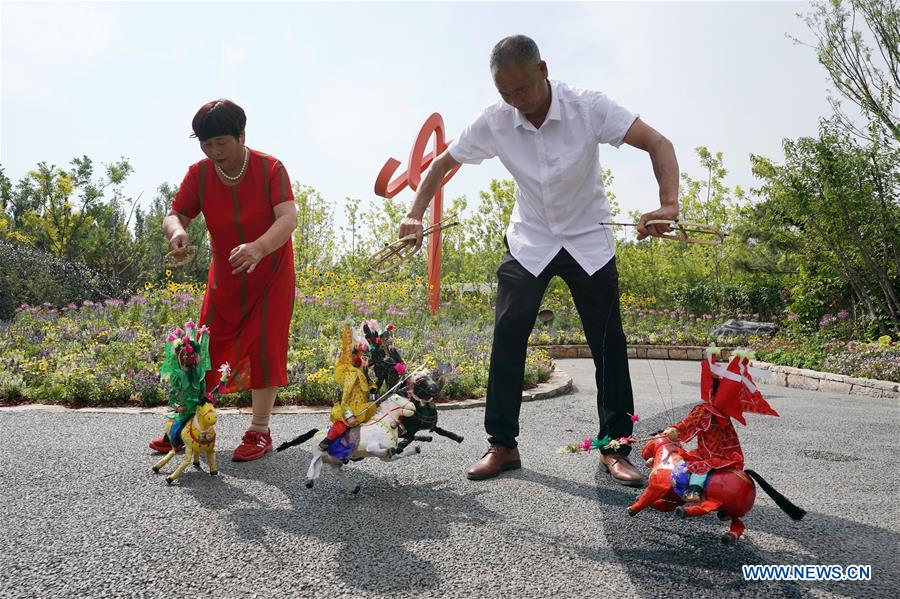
(219, 117)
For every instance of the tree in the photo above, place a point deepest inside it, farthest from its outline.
(151, 245)
(664, 270)
(869, 80)
(486, 230)
(314, 243)
(835, 202)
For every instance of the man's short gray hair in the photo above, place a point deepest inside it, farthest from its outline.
(515, 50)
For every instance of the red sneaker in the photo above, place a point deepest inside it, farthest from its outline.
(253, 446)
(161, 445)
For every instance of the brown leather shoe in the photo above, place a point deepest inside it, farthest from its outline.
(621, 470)
(494, 461)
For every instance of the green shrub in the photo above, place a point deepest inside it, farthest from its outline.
(32, 276)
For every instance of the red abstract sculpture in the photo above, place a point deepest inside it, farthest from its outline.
(729, 493)
(418, 162)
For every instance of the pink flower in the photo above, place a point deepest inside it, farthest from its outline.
(634, 417)
(391, 326)
(190, 325)
(171, 338)
(400, 367)
(585, 445)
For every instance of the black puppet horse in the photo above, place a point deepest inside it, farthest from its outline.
(422, 393)
(385, 361)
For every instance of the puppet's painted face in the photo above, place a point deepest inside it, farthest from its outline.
(188, 356)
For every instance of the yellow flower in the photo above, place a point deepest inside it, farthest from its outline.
(168, 273)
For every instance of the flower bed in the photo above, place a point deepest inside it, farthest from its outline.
(109, 353)
(878, 360)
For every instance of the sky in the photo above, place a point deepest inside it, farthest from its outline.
(335, 89)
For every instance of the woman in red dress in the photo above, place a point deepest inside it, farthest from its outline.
(246, 198)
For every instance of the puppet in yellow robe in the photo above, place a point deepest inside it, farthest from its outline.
(357, 404)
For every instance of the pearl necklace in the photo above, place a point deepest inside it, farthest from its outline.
(243, 168)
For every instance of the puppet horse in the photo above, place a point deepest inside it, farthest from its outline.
(199, 436)
(730, 493)
(377, 438)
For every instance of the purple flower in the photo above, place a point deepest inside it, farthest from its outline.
(136, 299)
(87, 303)
(792, 317)
(843, 315)
(826, 320)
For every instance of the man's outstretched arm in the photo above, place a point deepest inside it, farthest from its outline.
(665, 167)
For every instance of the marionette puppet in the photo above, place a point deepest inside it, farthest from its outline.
(362, 426)
(388, 367)
(357, 403)
(422, 390)
(185, 364)
(710, 478)
(191, 422)
(727, 392)
(385, 360)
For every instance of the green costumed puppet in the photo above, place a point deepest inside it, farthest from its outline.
(185, 365)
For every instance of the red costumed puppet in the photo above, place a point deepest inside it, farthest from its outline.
(727, 392)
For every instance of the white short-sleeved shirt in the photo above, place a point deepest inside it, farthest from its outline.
(560, 199)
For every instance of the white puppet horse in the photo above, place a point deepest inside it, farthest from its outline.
(378, 438)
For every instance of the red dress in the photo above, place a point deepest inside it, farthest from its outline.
(248, 315)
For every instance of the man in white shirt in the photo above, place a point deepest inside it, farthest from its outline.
(547, 135)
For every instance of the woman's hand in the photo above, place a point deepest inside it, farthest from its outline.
(245, 257)
(178, 243)
(671, 434)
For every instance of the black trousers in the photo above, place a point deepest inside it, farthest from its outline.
(519, 296)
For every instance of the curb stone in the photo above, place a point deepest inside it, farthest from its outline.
(784, 376)
(827, 382)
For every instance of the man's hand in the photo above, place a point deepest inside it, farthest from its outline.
(431, 182)
(663, 213)
(671, 434)
(411, 226)
(245, 257)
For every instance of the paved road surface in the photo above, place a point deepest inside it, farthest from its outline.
(83, 516)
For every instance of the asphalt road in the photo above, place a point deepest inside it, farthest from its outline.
(82, 514)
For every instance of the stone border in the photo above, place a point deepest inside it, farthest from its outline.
(785, 376)
(560, 383)
(652, 352)
(813, 380)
